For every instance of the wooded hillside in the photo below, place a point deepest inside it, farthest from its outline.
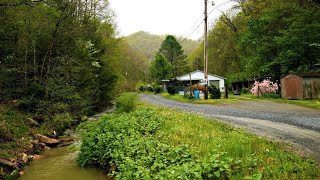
(263, 38)
(149, 44)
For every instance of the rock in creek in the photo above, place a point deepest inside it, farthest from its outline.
(66, 141)
(37, 157)
(8, 163)
(24, 158)
(47, 140)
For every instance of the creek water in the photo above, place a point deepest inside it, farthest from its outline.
(59, 164)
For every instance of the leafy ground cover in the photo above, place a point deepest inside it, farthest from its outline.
(158, 143)
(12, 129)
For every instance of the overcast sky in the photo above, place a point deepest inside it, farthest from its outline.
(177, 17)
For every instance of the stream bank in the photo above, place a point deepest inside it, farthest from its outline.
(32, 147)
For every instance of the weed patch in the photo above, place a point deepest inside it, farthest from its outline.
(126, 102)
(157, 143)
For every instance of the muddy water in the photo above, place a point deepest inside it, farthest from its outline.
(59, 164)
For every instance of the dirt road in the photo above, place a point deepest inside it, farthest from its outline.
(277, 121)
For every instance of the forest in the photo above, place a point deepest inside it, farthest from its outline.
(259, 38)
(63, 55)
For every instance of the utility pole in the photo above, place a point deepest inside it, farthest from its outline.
(205, 64)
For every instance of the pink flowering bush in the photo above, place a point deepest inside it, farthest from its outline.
(266, 86)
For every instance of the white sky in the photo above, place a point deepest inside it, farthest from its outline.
(176, 17)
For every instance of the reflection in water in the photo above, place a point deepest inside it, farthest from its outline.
(59, 164)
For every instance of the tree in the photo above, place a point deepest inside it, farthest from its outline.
(172, 51)
(56, 56)
(160, 68)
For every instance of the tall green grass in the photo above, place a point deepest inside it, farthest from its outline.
(158, 143)
(256, 154)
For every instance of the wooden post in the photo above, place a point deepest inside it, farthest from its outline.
(190, 85)
(205, 50)
(226, 90)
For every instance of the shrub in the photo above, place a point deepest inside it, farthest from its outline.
(150, 89)
(271, 95)
(59, 122)
(266, 86)
(29, 103)
(141, 88)
(157, 90)
(5, 132)
(214, 92)
(187, 93)
(244, 91)
(171, 90)
(126, 102)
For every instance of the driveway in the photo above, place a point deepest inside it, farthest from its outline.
(287, 123)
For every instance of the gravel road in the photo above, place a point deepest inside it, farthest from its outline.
(277, 121)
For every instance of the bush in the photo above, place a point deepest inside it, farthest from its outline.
(29, 103)
(171, 90)
(126, 102)
(141, 88)
(266, 86)
(5, 132)
(214, 92)
(157, 90)
(149, 88)
(244, 91)
(187, 93)
(271, 95)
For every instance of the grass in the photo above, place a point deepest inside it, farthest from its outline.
(313, 104)
(13, 125)
(257, 155)
(181, 98)
(15, 130)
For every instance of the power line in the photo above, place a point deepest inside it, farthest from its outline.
(200, 22)
(200, 18)
(218, 6)
(191, 32)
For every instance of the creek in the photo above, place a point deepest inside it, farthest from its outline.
(59, 163)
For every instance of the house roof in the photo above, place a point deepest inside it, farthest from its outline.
(199, 75)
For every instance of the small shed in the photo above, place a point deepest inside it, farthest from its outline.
(301, 86)
(198, 76)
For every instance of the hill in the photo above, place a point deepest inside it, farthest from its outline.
(149, 44)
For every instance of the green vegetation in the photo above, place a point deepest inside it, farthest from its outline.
(263, 38)
(126, 102)
(148, 44)
(314, 103)
(13, 127)
(16, 129)
(214, 92)
(59, 61)
(181, 98)
(172, 51)
(160, 68)
(157, 143)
